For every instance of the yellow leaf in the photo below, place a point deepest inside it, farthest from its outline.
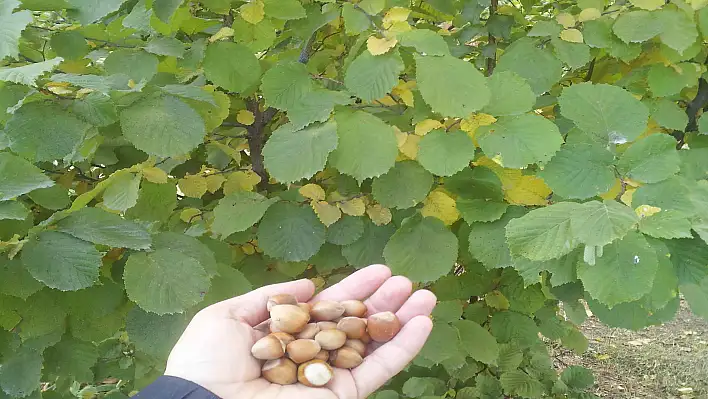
(648, 4)
(614, 191)
(223, 33)
(241, 181)
(410, 146)
(378, 46)
(353, 207)
(565, 19)
(245, 117)
(602, 357)
(646, 210)
(590, 14)
(400, 136)
(440, 205)
(313, 192)
(379, 215)
(426, 126)
(155, 175)
(386, 100)
(327, 213)
(253, 12)
(248, 249)
(496, 300)
(193, 186)
(627, 196)
(518, 189)
(395, 14)
(188, 215)
(473, 122)
(572, 35)
(214, 182)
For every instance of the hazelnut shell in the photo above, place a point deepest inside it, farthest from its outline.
(382, 327)
(326, 310)
(268, 348)
(354, 327)
(346, 358)
(309, 332)
(314, 373)
(331, 339)
(281, 299)
(354, 308)
(303, 350)
(280, 371)
(288, 318)
(357, 345)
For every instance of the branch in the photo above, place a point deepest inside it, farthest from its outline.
(492, 61)
(591, 69)
(694, 106)
(256, 141)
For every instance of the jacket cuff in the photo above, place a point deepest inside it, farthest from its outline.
(169, 387)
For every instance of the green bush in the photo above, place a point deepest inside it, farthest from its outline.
(514, 157)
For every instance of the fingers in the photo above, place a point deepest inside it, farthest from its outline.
(421, 303)
(361, 284)
(251, 308)
(390, 296)
(392, 357)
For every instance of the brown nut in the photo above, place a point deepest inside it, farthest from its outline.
(323, 355)
(357, 345)
(354, 327)
(354, 308)
(305, 306)
(331, 339)
(285, 338)
(281, 299)
(366, 338)
(327, 325)
(268, 348)
(288, 318)
(346, 358)
(309, 332)
(382, 327)
(303, 350)
(314, 373)
(326, 310)
(280, 371)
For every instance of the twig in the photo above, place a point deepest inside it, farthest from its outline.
(256, 140)
(591, 69)
(492, 61)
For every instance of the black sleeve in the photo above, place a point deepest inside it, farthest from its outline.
(167, 387)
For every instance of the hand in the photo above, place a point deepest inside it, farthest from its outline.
(215, 349)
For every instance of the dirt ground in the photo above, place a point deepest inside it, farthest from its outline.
(667, 362)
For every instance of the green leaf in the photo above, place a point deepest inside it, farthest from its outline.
(355, 21)
(71, 357)
(154, 334)
(367, 146)
(605, 111)
(100, 227)
(228, 283)
(163, 126)
(417, 387)
(577, 378)
(480, 210)
(232, 66)
(424, 41)
(316, 106)
(28, 74)
(697, 297)
(678, 30)
(510, 94)
(478, 182)
(123, 192)
(11, 27)
(598, 34)
(665, 81)
(21, 372)
(69, 45)
(284, 9)
(447, 311)
(545, 28)
(286, 84)
(166, 46)
(404, 186)
(290, 232)
(165, 9)
(18, 177)
(239, 211)
(445, 153)
(580, 171)
(629, 315)
(518, 141)
(625, 272)
(346, 230)
(190, 92)
(256, 37)
(155, 202)
(487, 241)
(138, 65)
(637, 26)
(690, 259)
(97, 109)
(103, 84)
(479, 344)
(538, 66)
(371, 77)
(422, 249)
(16, 281)
(669, 115)
(368, 249)
(576, 55)
(518, 383)
(61, 261)
(283, 152)
(452, 87)
(164, 282)
(512, 327)
(544, 233)
(663, 195)
(188, 247)
(438, 348)
(666, 224)
(88, 11)
(43, 131)
(599, 223)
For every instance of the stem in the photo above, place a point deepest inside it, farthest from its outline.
(256, 141)
(591, 69)
(492, 61)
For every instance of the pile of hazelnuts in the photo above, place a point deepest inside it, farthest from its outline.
(305, 340)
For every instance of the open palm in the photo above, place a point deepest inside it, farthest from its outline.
(215, 349)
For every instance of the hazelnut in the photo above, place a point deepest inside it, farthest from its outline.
(323, 355)
(354, 327)
(366, 338)
(309, 332)
(382, 327)
(346, 358)
(303, 350)
(326, 310)
(314, 373)
(280, 371)
(354, 308)
(268, 348)
(288, 318)
(326, 325)
(280, 299)
(357, 345)
(331, 339)
(285, 338)
(305, 306)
